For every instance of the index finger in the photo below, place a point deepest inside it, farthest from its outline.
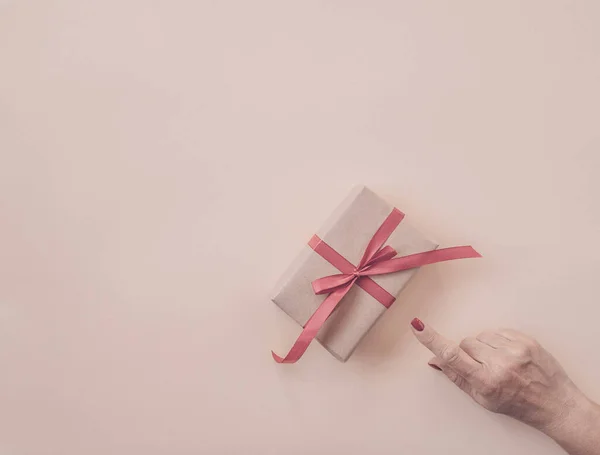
(448, 351)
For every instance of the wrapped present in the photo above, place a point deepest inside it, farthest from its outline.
(351, 271)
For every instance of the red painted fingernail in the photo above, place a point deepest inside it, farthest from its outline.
(417, 324)
(435, 367)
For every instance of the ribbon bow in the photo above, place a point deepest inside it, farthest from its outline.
(371, 264)
(377, 260)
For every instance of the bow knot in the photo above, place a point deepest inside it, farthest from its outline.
(373, 263)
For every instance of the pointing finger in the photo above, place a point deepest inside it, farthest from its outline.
(447, 351)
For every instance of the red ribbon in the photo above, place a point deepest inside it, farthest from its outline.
(377, 260)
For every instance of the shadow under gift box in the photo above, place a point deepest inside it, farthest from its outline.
(348, 231)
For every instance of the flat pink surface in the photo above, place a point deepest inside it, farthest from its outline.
(162, 162)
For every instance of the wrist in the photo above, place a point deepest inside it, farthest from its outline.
(576, 427)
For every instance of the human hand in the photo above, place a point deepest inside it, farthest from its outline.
(508, 372)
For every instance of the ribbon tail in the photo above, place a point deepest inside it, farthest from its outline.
(420, 259)
(313, 326)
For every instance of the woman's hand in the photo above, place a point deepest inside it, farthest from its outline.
(508, 372)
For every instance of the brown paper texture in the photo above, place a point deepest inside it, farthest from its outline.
(348, 230)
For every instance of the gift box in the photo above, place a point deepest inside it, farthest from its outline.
(351, 271)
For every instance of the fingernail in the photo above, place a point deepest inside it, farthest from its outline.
(435, 367)
(417, 324)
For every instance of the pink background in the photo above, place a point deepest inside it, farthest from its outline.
(161, 162)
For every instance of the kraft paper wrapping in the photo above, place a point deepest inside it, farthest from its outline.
(348, 230)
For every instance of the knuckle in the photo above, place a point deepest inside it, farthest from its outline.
(450, 354)
(469, 341)
(522, 350)
(489, 385)
(531, 345)
(459, 381)
(452, 375)
(487, 389)
(503, 377)
(455, 378)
